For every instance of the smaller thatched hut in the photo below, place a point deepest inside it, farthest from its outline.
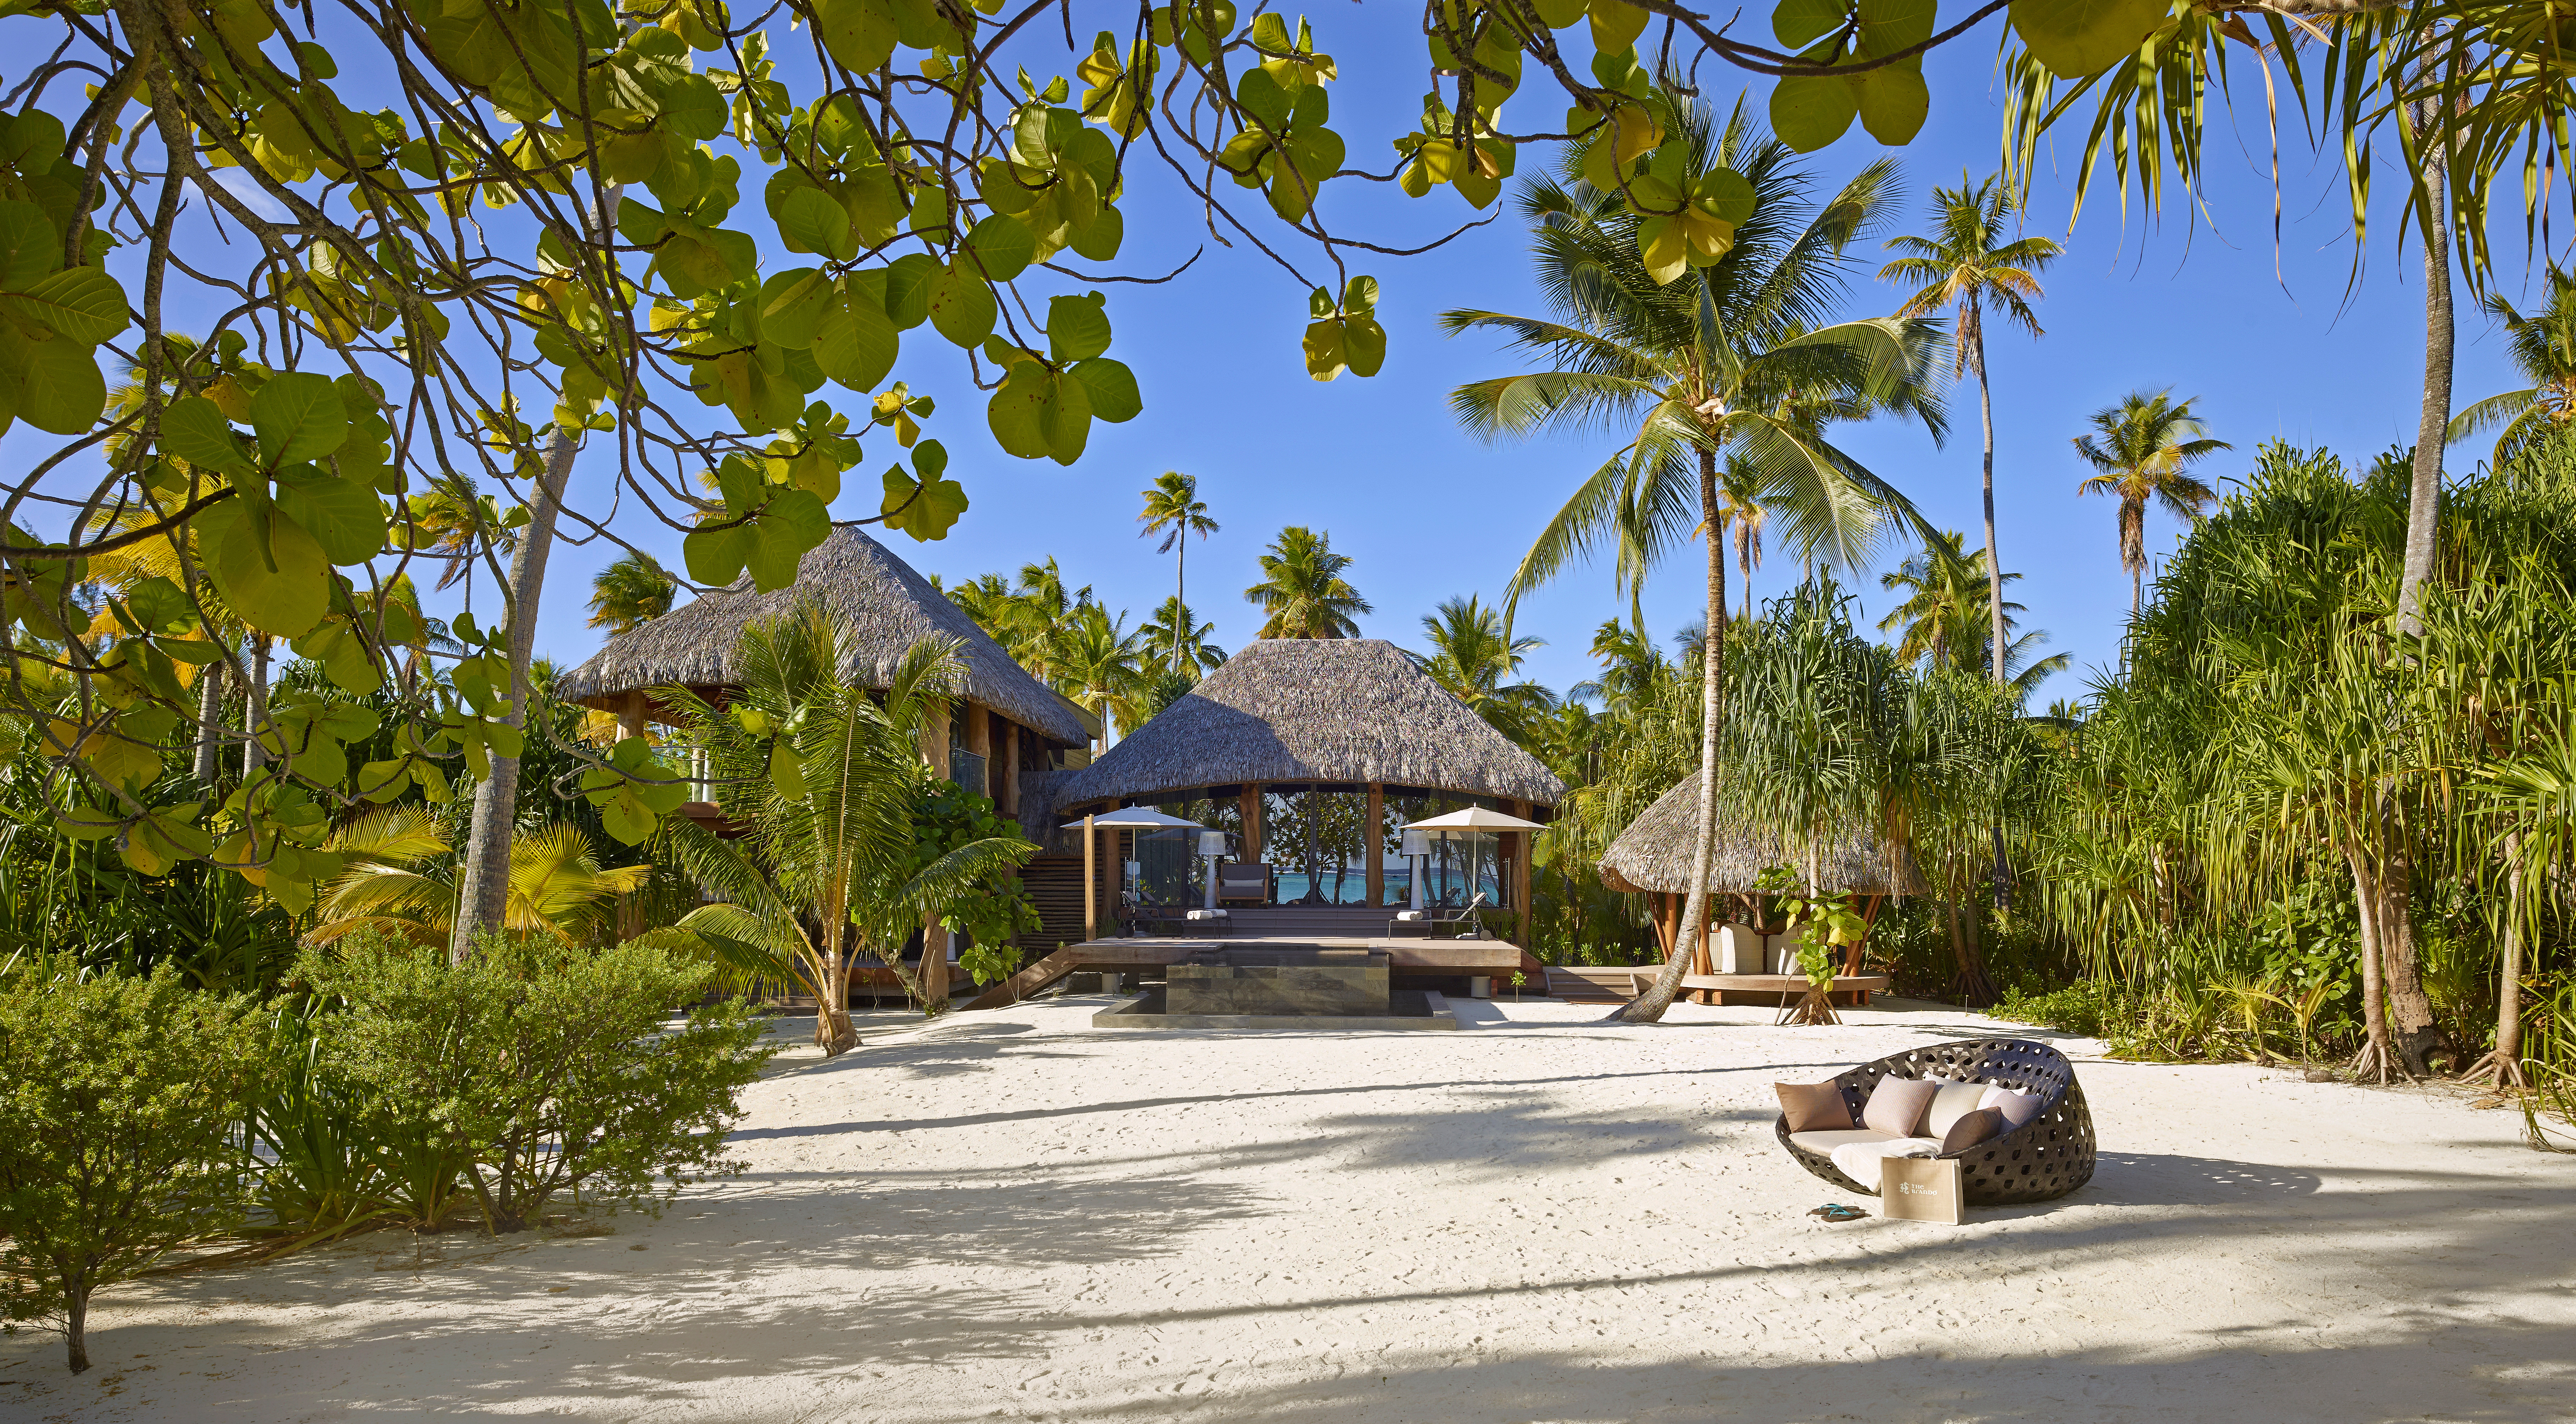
(1006, 727)
(1654, 856)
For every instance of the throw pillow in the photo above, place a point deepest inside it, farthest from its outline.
(2018, 1108)
(1971, 1129)
(1953, 1102)
(1814, 1107)
(1898, 1104)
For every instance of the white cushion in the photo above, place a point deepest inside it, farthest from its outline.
(1953, 1102)
(1859, 1160)
(1408, 914)
(2018, 1108)
(1209, 915)
(1825, 1140)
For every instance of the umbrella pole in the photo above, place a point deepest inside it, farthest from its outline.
(1090, 888)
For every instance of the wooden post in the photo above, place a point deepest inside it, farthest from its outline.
(934, 743)
(1376, 842)
(1251, 822)
(1521, 877)
(1090, 891)
(1668, 921)
(1006, 792)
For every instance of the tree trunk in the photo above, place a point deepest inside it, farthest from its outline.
(76, 1322)
(210, 724)
(255, 707)
(1649, 1007)
(832, 1027)
(483, 891)
(2503, 1064)
(2424, 492)
(483, 899)
(2373, 1059)
(2422, 1045)
(1970, 985)
(1972, 331)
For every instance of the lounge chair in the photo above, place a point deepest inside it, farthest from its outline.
(1242, 882)
(2044, 1158)
(1433, 921)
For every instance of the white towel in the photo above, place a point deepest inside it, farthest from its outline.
(1859, 1160)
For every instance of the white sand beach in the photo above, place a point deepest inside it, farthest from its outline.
(1015, 1216)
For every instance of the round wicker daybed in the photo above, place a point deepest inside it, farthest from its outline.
(2045, 1158)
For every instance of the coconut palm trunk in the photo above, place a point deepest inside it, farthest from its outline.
(483, 895)
(1650, 1006)
(210, 724)
(483, 889)
(2423, 1046)
(2503, 1065)
(2424, 491)
(1972, 332)
(2374, 1058)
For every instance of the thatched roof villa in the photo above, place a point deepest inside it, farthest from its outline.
(1312, 754)
(1005, 729)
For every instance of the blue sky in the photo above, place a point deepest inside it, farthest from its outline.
(2273, 344)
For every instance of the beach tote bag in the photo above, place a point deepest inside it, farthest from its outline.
(1918, 1189)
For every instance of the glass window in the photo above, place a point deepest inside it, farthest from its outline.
(1315, 841)
(1459, 866)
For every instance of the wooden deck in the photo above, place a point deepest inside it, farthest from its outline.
(1622, 983)
(1431, 958)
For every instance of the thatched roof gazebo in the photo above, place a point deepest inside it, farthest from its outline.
(1654, 856)
(1003, 715)
(1348, 717)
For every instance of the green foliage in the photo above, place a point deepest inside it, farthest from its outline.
(117, 1117)
(546, 1070)
(949, 818)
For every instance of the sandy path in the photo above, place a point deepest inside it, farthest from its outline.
(1014, 1216)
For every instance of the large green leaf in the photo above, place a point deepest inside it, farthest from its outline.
(1811, 111)
(59, 386)
(1112, 388)
(280, 584)
(792, 304)
(343, 516)
(1003, 247)
(715, 556)
(854, 343)
(30, 245)
(298, 416)
(1894, 102)
(693, 108)
(1077, 327)
(907, 289)
(193, 429)
(81, 304)
(1887, 26)
(860, 34)
(1016, 411)
(1797, 24)
(926, 509)
(962, 305)
(812, 221)
(794, 522)
(2075, 38)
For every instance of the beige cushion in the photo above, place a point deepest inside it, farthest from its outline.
(1814, 1107)
(1823, 1143)
(1896, 1107)
(1971, 1129)
(2018, 1108)
(1953, 1102)
(1859, 1160)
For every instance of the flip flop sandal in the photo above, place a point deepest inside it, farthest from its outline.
(1836, 1211)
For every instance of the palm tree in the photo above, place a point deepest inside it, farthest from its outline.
(1732, 357)
(1472, 655)
(631, 592)
(824, 780)
(2543, 347)
(1302, 591)
(1099, 664)
(2142, 455)
(1962, 267)
(1175, 642)
(1943, 620)
(557, 886)
(1174, 510)
(1739, 488)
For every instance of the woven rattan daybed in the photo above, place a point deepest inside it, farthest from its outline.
(2044, 1158)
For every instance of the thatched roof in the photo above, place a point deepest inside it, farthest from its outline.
(880, 598)
(1654, 854)
(1315, 709)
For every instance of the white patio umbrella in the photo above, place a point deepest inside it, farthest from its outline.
(1131, 818)
(1474, 818)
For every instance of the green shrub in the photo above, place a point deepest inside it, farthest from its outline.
(118, 1117)
(546, 1070)
(2088, 1006)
